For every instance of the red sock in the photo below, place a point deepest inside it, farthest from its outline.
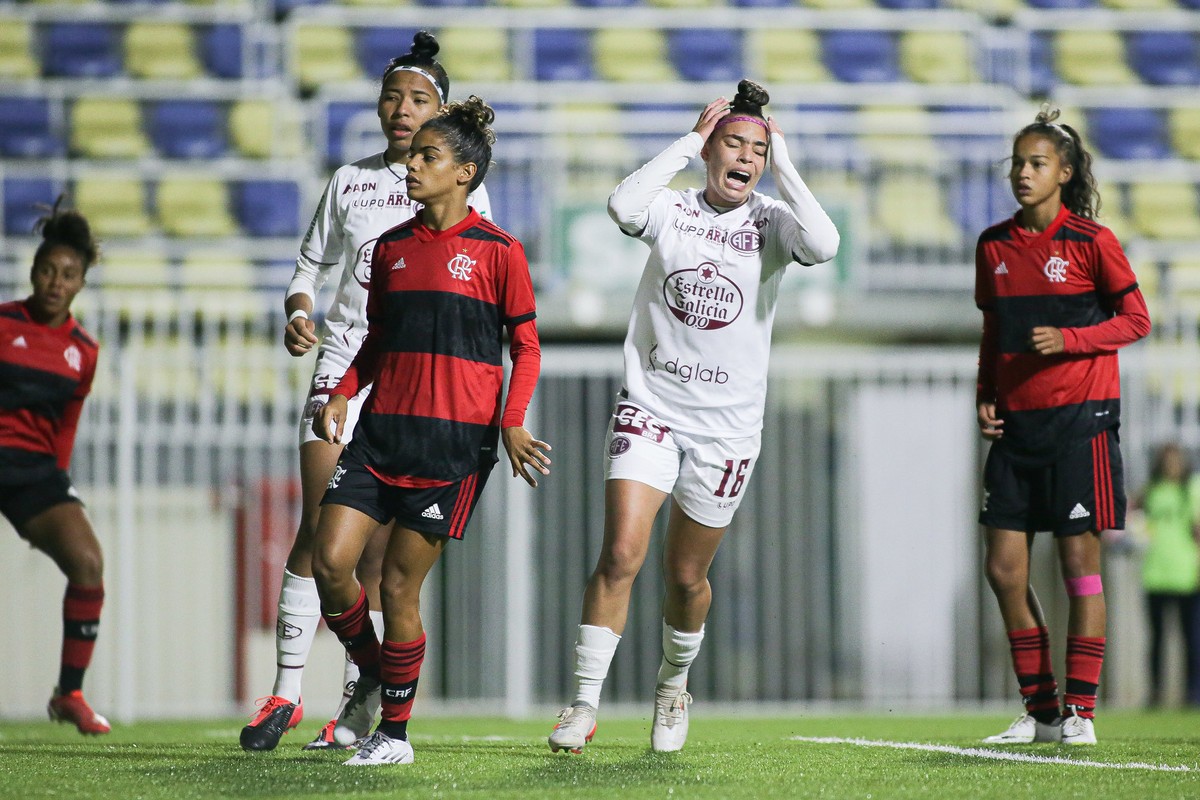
(1085, 657)
(400, 666)
(81, 622)
(354, 630)
(1035, 675)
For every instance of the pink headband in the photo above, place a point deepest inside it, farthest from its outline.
(740, 118)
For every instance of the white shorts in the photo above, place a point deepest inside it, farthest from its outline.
(705, 474)
(323, 383)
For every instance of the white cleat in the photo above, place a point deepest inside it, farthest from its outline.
(1027, 730)
(379, 748)
(670, 728)
(1078, 730)
(576, 727)
(358, 716)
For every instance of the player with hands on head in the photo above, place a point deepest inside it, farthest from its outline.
(1058, 299)
(445, 287)
(706, 300)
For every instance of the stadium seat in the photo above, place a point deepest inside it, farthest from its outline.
(107, 127)
(788, 56)
(937, 56)
(323, 54)
(220, 49)
(217, 269)
(268, 207)
(908, 5)
(161, 51)
(562, 54)
(632, 55)
(27, 131)
(911, 212)
(898, 135)
(1112, 213)
(81, 50)
(1165, 58)
(188, 128)
(839, 5)
(1141, 5)
(1042, 77)
(22, 196)
(534, 3)
(1165, 210)
(285, 7)
(861, 56)
(114, 204)
(378, 45)
(1092, 58)
(1128, 133)
(1061, 4)
(16, 49)
(143, 267)
(706, 54)
(1184, 126)
(194, 206)
(606, 3)
(475, 54)
(683, 4)
(265, 129)
(979, 201)
(764, 4)
(347, 124)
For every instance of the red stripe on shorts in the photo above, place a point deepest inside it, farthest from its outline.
(1102, 477)
(458, 518)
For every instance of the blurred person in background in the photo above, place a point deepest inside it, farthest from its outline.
(47, 363)
(362, 200)
(1058, 299)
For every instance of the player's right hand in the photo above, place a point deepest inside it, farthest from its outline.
(709, 116)
(990, 427)
(330, 420)
(299, 336)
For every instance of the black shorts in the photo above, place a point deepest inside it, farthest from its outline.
(21, 502)
(1084, 490)
(437, 510)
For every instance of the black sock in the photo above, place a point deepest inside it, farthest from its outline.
(393, 729)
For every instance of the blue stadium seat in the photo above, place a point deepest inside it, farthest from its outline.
(452, 3)
(1043, 77)
(268, 207)
(908, 5)
(338, 115)
(562, 54)
(1129, 133)
(22, 196)
(221, 50)
(861, 56)
(763, 3)
(977, 202)
(188, 129)
(284, 7)
(706, 54)
(26, 131)
(1170, 58)
(377, 46)
(82, 50)
(606, 3)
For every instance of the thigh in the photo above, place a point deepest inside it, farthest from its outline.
(23, 502)
(690, 547)
(409, 556)
(1010, 501)
(1088, 487)
(640, 448)
(713, 476)
(64, 533)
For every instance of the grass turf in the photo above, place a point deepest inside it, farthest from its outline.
(726, 757)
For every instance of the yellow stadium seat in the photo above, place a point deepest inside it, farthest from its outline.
(789, 56)
(1141, 5)
(1184, 124)
(217, 269)
(1165, 210)
(898, 135)
(194, 206)
(475, 54)
(265, 129)
(161, 50)
(1092, 58)
(140, 267)
(1112, 210)
(115, 206)
(376, 3)
(684, 4)
(839, 5)
(633, 54)
(530, 3)
(937, 56)
(107, 127)
(911, 211)
(323, 54)
(16, 49)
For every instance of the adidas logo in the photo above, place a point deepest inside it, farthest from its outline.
(1079, 512)
(433, 512)
(1001, 270)
(399, 264)
(20, 342)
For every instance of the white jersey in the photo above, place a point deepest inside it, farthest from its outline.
(362, 201)
(700, 333)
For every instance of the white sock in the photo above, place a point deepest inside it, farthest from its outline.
(350, 670)
(679, 651)
(298, 616)
(594, 651)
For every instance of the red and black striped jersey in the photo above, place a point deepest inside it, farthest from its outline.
(1072, 276)
(45, 374)
(437, 308)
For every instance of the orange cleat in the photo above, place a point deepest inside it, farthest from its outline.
(71, 707)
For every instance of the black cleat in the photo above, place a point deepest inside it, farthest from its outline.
(276, 716)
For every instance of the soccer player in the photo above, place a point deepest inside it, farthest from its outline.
(362, 200)
(688, 421)
(1058, 299)
(444, 288)
(47, 362)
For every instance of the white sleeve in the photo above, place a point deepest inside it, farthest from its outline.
(481, 202)
(321, 249)
(630, 203)
(807, 234)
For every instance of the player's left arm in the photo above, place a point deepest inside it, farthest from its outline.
(515, 291)
(807, 233)
(64, 443)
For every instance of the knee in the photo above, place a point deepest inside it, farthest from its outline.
(619, 563)
(327, 570)
(685, 582)
(399, 595)
(86, 567)
(1005, 575)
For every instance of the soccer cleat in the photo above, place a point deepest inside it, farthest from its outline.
(576, 727)
(276, 716)
(325, 740)
(1025, 729)
(71, 707)
(359, 712)
(379, 748)
(1078, 730)
(670, 728)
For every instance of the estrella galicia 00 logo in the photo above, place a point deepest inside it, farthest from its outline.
(702, 298)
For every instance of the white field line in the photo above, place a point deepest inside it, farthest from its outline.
(980, 752)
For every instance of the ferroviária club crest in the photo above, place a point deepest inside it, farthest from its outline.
(702, 297)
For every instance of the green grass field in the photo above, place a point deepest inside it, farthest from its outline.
(727, 757)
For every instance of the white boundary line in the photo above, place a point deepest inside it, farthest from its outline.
(980, 752)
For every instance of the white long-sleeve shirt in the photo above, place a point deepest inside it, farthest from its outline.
(699, 337)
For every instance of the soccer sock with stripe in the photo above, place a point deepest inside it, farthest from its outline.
(594, 651)
(350, 669)
(1035, 675)
(1085, 657)
(81, 623)
(296, 624)
(679, 651)
(399, 667)
(354, 630)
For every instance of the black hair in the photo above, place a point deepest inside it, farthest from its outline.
(424, 47)
(1080, 194)
(466, 128)
(750, 99)
(69, 228)
(1158, 470)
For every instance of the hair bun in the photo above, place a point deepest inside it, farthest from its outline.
(425, 45)
(750, 98)
(1048, 114)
